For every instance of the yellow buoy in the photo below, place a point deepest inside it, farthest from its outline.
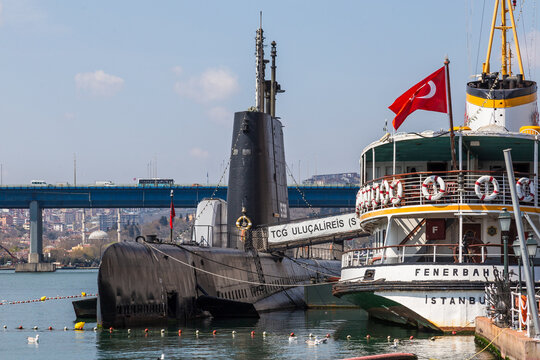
(79, 325)
(43, 298)
(83, 294)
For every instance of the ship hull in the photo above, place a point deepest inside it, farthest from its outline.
(145, 283)
(424, 296)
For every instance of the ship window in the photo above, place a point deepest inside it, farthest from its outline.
(369, 274)
(246, 151)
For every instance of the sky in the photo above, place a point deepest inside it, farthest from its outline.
(132, 89)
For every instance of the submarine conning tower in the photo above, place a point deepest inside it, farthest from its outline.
(501, 98)
(257, 186)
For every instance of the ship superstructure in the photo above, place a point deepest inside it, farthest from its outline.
(435, 239)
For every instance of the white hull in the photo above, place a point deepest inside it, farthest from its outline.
(435, 296)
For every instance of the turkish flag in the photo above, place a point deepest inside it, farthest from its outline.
(429, 94)
(173, 214)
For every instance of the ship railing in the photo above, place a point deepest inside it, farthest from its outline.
(521, 319)
(460, 189)
(427, 253)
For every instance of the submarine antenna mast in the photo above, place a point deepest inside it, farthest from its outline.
(259, 74)
(273, 82)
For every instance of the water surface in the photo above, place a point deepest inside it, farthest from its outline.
(119, 344)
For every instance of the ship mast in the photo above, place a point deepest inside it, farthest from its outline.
(259, 71)
(506, 64)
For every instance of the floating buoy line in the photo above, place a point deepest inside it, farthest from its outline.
(213, 333)
(46, 298)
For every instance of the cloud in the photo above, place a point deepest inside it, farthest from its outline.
(198, 153)
(177, 70)
(220, 115)
(212, 85)
(99, 83)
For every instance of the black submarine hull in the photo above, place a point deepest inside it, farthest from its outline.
(160, 282)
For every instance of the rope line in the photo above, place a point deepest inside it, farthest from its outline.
(230, 278)
(298, 189)
(45, 298)
(223, 264)
(217, 186)
(491, 342)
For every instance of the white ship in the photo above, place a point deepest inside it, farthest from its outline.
(435, 238)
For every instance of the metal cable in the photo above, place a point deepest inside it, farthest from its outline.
(300, 191)
(218, 184)
(230, 278)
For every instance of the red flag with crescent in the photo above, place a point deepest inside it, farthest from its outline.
(429, 94)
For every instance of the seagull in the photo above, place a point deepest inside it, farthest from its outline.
(316, 341)
(292, 337)
(33, 340)
(396, 342)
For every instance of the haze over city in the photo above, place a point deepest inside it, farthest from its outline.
(127, 84)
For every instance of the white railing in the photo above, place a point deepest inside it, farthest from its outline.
(460, 189)
(520, 313)
(436, 253)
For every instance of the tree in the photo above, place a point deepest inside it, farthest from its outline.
(163, 221)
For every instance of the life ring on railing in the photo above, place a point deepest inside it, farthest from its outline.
(358, 204)
(470, 254)
(385, 192)
(524, 310)
(375, 195)
(486, 179)
(243, 223)
(398, 186)
(367, 196)
(437, 193)
(522, 195)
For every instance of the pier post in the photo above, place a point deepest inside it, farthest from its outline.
(36, 233)
(35, 257)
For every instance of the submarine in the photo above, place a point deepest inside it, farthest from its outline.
(225, 270)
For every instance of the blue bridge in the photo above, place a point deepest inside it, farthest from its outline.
(38, 197)
(50, 197)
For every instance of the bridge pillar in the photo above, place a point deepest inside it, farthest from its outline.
(36, 233)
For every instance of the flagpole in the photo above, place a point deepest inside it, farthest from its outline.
(449, 100)
(171, 218)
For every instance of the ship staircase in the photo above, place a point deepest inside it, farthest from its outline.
(420, 255)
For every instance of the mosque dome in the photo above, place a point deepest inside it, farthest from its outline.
(98, 235)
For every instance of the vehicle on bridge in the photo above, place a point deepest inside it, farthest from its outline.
(155, 182)
(38, 182)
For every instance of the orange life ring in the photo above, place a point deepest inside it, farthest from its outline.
(523, 309)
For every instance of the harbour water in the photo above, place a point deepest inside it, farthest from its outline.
(119, 344)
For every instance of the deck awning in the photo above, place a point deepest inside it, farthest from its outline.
(431, 149)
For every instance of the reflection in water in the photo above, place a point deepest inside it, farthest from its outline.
(275, 345)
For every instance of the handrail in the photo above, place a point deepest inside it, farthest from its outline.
(462, 187)
(450, 172)
(420, 245)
